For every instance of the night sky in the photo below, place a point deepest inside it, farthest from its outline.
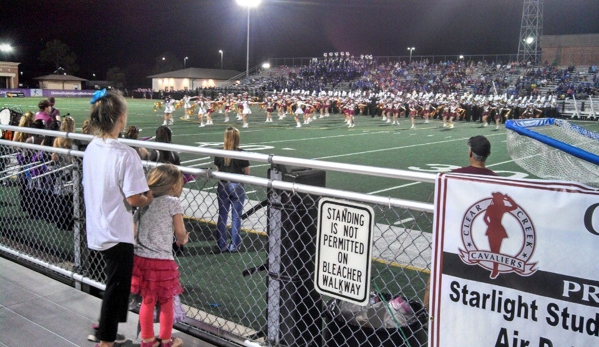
(132, 34)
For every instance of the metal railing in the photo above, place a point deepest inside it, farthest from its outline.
(586, 109)
(263, 294)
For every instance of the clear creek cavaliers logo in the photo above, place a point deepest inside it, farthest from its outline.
(488, 219)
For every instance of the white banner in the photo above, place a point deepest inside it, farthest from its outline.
(514, 263)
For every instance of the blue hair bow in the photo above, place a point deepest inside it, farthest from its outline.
(97, 95)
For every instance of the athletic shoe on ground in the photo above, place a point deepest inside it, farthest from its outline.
(120, 338)
(127, 343)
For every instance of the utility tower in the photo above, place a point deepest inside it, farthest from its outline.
(531, 32)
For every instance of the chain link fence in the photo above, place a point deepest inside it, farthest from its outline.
(264, 294)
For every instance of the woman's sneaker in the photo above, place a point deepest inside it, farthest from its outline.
(120, 338)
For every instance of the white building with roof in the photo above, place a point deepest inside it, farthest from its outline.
(192, 78)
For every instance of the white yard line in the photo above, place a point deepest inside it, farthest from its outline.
(196, 159)
(392, 188)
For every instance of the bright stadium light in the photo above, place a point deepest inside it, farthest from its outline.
(249, 4)
(411, 49)
(185, 62)
(221, 58)
(529, 40)
(5, 48)
(266, 66)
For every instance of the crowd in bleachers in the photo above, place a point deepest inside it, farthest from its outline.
(365, 73)
(481, 78)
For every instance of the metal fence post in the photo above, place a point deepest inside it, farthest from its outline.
(294, 308)
(77, 218)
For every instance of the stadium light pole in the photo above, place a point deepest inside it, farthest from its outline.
(185, 62)
(221, 58)
(411, 49)
(249, 4)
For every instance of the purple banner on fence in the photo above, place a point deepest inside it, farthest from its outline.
(58, 93)
(14, 93)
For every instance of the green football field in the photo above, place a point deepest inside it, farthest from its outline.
(428, 148)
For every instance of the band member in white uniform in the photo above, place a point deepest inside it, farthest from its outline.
(245, 102)
(169, 108)
(187, 105)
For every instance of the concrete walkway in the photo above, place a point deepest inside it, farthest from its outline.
(38, 311)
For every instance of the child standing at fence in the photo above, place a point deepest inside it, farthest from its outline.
(114, 183)
(155, 272)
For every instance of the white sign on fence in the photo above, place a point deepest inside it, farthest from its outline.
(343, 250)
(514, 263)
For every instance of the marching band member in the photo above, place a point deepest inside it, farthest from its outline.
(398, 110)
(298, 112)
(239, 103)
(445, 113)
(327, 106)
(227, 105)
(349, 110)
(487, 110)
(269, 108)
(413, 105)
(201, 105)
(245, 109)
(169, 108)
(426, 110)
(209, 110)
(281, 106)
(187, 105)
(219, 105)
